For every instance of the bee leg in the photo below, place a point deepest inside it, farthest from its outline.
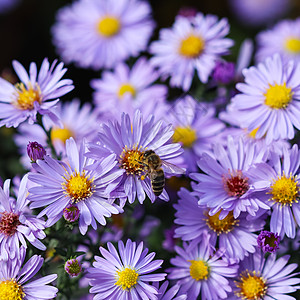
(143, 177)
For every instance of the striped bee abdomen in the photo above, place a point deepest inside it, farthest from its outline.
(158, 181)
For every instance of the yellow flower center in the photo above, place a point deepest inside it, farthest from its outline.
(285, 190)
(192, 46)
(78, 186)
(252, 287)
(278, 96)
(186, 135)
(221, 226)
(109, 26)
(292, 45)
(127, 278)
(199, 269)
(126, 88)
(27, 97)
(11, 290)
(130, 160)
(61, 134)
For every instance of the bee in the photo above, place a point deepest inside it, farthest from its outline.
(153, 165)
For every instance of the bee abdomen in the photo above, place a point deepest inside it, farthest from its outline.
(158, 182)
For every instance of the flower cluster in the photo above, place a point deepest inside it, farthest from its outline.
(182, 166)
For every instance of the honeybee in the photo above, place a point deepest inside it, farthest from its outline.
(153, 165)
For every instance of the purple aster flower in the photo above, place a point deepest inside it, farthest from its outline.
(192, 44)
(168, 294)
(223, 72)
(101, 33)
(195, 127)
(269, 99)
(13, 278)
(283, 38)
(235, 235)
(268, 241)
(17, 223)
(129, 141)
(198, 271)
(74, 120)
(125, 274)
(73, 267)
(129, 89)
(61, 184)
(227, 185)
(265, 278)
(280, 188)
(32, 95)
(259, 13)
(35, 151)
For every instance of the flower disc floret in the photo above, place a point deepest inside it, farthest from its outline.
(199, 269)
(27, 96)
(278, 96)
(251, 285)
(186, 135)
(78, 186)
(292, 45)
(130, 160)
(221, 226)
(236, 184)
(9, 222)
(127, 278)
(109, 26)
(285, 190)
(11, 290)
(192, 46)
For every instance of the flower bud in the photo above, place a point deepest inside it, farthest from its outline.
(223, 72)
(268, 241)
(35, 151)
(71, 213)
(73, 267)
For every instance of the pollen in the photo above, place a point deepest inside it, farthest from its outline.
(61, 134)
(292, 45)
(252, 286)
(126, 88)
(78, 186)
(108, 26)
(278, 96)
(285, 190)
(8, 223)
(236, 184)
(186, 135)
(130, 160)
(192, 46)
(27, 97)
(199, 269)
(11, 290)
(221, 226)
(127, 278)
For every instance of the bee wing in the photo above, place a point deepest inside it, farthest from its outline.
(170, 168)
